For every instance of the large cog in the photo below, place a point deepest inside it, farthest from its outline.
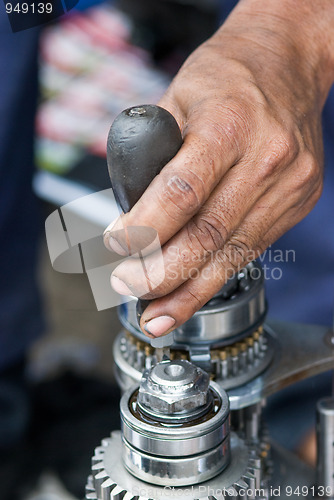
(242, 480)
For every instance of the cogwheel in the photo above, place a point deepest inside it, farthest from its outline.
(232, 365)
(244, 478)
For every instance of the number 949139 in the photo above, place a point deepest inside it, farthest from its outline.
(31, 8)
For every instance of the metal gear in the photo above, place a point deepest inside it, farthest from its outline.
(243, 479)
(231, 365)
(232, 312)
(175, 426)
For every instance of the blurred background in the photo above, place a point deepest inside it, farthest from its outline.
(63, 399)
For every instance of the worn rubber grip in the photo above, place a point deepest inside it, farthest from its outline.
(141, 141)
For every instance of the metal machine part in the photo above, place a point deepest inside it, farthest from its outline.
(162, 346)
(176, 435)
(238, 314)
(175, 427)
(244, 477)
(176, 431)
(301, 351)
(249, 443)
(325, 444)
(174, 390)
(290, 362)
(224, 319)
(235, 349)
(230, 366)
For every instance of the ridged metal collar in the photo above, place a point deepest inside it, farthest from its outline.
(221, 319)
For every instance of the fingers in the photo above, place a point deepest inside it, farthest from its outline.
(246, 243)
(264, 224)
(210, 229)
(193, 245)
(180, 305)
(284, 202)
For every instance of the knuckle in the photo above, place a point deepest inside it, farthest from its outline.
(311, 169)
(318, 191)
(306, 207)
(193, 301)
(230, 129)
(238, 251)
(280, 151)
(308, 175)
(152, 289)
(156, 281)
(208, 232)
(184, 193)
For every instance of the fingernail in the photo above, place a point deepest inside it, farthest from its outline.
(110, 227)
(116, 247)
(110, 241)
(159, 326)
(119, 286)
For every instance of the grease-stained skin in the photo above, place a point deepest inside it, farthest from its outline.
(249, 103)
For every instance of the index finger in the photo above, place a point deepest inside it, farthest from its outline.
(183, 185)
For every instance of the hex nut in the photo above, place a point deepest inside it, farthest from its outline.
(173, 387)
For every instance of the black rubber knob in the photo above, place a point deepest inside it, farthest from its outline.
(141, 141)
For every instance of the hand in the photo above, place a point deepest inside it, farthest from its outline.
(249, 105)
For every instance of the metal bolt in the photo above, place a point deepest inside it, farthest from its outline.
(173, 387)
(137, 111)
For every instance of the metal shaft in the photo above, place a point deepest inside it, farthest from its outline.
(325, 445)
(175, 426)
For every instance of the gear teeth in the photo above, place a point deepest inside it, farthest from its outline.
(251, 482)
(99, 479)
(255, 462)
(97, 467)
(90, 484)
(246, 357)
(106, 442)
(129, 496)
(101, 487)
(217, 497)
(99, 450)
(117, 493)
(106, 489)
(90, 491)
(241, 485)
(256, 473)
(97, 458)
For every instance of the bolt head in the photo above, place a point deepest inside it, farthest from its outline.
(173, 387)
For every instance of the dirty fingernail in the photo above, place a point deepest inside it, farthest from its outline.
(119, 286)
(159, 326)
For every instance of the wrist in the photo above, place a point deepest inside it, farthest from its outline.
(296, 34)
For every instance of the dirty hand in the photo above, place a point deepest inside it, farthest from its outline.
(249, 104)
